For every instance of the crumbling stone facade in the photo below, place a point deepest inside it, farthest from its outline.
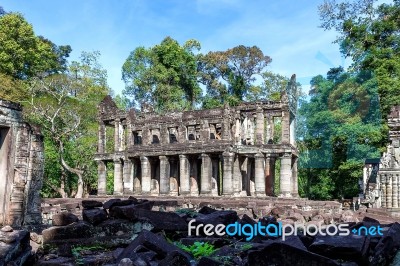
(381, 178)
(21, 167)
(229, 151)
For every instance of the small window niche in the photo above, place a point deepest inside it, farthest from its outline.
(155, 139)
(173, 135)
(191, 133)
(137, 137)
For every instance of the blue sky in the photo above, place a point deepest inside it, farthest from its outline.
(286, 30)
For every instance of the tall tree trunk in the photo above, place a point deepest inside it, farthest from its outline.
(78, 172)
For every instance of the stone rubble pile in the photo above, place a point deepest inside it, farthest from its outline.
(15, 248)
(129, 232)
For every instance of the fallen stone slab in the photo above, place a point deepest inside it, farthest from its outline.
(282, 254)
(75, 230)
(64, 218)
(348, 248)
(91, 204)
(159, 245)
(218, 217)
(127, 211)
(94, 216)
(387, 246)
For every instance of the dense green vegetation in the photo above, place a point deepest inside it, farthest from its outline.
(340, 123)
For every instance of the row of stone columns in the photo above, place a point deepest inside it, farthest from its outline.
(257, 122)
(390, 186)
(232, 179)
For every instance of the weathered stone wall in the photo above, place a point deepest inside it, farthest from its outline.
(21, 167)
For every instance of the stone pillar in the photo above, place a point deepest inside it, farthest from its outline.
(101, 148)
(259, 178)
(292, 130)
(128, 177)
(205, 130)
(118, 182)
(237, 175)
(285, 126)
(146, 175)
(102, 181)
(227, 182)
(226, 130)
(184, 175)
(389, 191)
(206, 170)
(395, 192)
(238, 139)
(295, 188)
(383, 188)
(164, 175)
(117, 140)
(122, 143)
(259, 126)
(285, 176)
(182, 134)
(269, 175)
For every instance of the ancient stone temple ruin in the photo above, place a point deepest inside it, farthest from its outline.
(381, 178)
(226, 151)
(21, 167)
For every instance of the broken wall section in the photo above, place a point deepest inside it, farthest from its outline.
(21, 167)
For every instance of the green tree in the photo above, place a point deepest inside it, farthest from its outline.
(23, 54)
(163, 76)
(64, 105)
(369, 35)
(339, 127)
(229, 75)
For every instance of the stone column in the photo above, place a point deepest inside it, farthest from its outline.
(237, 175)
(128, 177)
(269, 175)
(206, 169)
(182, 134)
(383, 188)
(389, 191)
(259, 126)
(259, 178)
(101, 148)
(117, 140)
(122, 143)
(398, 190)
(285, 177)
(205, 130)
(146, 175)
(227, 182)
(102, 181)
(184, 175)
(118, 182)
(285, 126)
(237, 129)
(226, 130)
(292, 130)
(164, 175)
(395, 192)
(294, 180)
